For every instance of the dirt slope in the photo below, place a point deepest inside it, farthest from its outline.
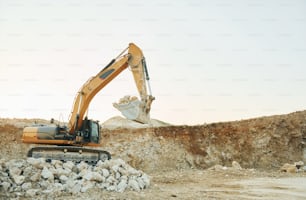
(266, 143)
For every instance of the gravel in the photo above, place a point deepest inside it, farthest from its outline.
(33, 177)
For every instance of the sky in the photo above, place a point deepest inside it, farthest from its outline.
(209, 61)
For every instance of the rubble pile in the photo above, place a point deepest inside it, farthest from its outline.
(33, 177)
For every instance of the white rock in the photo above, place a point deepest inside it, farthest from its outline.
(47, 174)
(117, 175)
(111, 188)
(44, 184)
(81, 166)
(133, 171)
(14, 171)
(100, 164)
(61, 171)
(63, 178)
(48, 191)
(115, 168)
(111, 180)
(6, 186)
(58, 186)
(105, 173)
(53, 171)
(86, 186)
(121, 162)
(28, 171)
(299, 164)
(97, 177)
(83, 173)
(17, 188)
(35, 177)
(26, 186)
(57, 163)
(39, 163)
(146, 180)
(133, 184)
(18, 179)
(88, 176)
(141, 183)
(68, 165)
(16, 163)
(122, 186)
(76, 188)
(123, 171)
(236, 165)
(31, 192)
(69, 184)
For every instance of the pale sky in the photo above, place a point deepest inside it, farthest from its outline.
(209, 61)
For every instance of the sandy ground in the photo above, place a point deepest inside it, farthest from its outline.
(209, 184)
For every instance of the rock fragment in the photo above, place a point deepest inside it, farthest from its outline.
(236, 165)
(288, 168)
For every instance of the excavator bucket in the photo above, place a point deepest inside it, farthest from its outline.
(133, 109)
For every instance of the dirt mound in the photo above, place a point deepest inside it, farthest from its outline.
(120, 122)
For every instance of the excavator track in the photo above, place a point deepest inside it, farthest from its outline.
(69, 153)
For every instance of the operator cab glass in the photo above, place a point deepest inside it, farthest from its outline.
(94, 132)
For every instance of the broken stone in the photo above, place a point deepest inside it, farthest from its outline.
(35, 177)
(105, 173)
(299, 164)
(31, 192)
(81, 166)
(47, 174)
(6, 186)
(27, 171)
(141, 183)
(133, 184)
(236, 165)
(122, 186)
(146, 180)
(26, 186)
(76, 188)
(218, 168)
(68, 165)
(289, 168)
(63, 178)
(18, 179)
(97, 177)
(39, 163)
(14, 171)
(86, 186)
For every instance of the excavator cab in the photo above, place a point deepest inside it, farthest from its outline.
(89, 133)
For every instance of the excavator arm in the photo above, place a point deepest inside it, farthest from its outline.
(133, 58)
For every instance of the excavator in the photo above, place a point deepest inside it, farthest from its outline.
(66, 142)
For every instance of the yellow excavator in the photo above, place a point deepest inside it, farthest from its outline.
(81, 131)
